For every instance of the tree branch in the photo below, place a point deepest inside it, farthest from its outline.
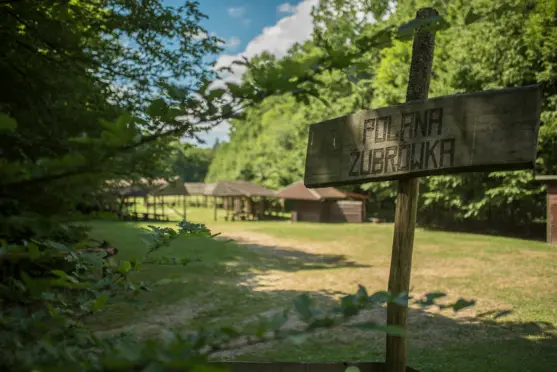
(93, 168)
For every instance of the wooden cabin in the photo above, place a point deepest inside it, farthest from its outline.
(325, 204)
(551, 182)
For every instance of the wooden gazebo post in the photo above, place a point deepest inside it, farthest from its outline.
(155, 207)
(184, 206)
(214, 208)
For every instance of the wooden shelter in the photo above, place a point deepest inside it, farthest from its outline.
(551, 182)
(128, 193)
(175, 188)
(325, 204)
(241, 199)
(200, 192)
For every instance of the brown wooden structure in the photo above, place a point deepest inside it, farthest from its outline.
(175, 188)
(128, 193)
(198, 193)
(325, 204)
(241, 200)
(551, 182)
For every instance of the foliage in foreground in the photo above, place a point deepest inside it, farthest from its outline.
(43, 312)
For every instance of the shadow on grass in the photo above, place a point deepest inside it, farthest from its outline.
(292, 259)
(436, 342)
(218, 291)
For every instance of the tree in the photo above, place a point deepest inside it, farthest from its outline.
(352, 63)
(191, 163)
(95, 90)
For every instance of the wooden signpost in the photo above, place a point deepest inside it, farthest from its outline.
(486, 131)
(468, 132)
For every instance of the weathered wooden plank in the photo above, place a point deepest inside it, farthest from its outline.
(484, 131)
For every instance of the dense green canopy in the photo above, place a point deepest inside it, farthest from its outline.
(487, 45)
(95, 90)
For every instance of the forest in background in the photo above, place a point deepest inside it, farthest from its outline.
(515, 46)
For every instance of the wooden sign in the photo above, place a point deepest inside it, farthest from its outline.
(485, 131)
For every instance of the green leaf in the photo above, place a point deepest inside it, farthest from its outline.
(349, 307)
(379, 298)
(34, 252)
(400, 299)
(362, 291)
(278, 320)
(59, 273)
(124, 119)
(7, 123)
(124, 267)
(352, 369)
(157, 107)
(100, 302)
(302, 304)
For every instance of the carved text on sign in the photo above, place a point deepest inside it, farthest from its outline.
(492, 130)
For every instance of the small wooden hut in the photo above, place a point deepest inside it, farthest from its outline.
(325, 204)
(551, 212)
(241, 199)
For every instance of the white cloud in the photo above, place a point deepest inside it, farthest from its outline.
(232, 43)
(200, 36)
(286, 8)
(277, 39)
(246, 21)
(236, 12)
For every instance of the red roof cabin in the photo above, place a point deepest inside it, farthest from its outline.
(325, 204)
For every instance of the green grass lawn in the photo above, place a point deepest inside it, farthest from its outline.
(274, 261)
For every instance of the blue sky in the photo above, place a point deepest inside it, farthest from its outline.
(249, 27)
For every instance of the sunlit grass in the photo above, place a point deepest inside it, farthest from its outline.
(233, 282)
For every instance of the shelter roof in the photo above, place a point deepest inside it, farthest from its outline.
(299, 191)
(354, 195)
(140, 187)
(175, 187)
(199, 188)
(240, 188)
